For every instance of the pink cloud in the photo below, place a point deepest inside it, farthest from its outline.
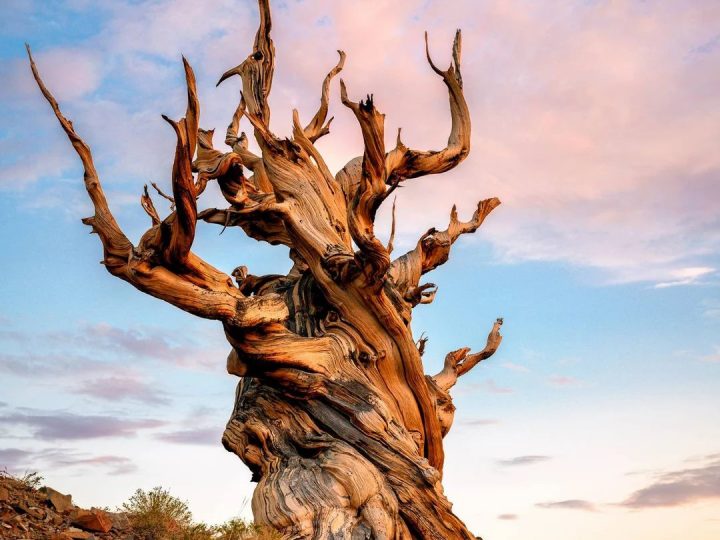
(117, 388)
(597, 127)
(569, 504)
(676, 488)
(563, 381)
(52, 426)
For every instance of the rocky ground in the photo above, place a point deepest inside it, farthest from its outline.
(46, 514)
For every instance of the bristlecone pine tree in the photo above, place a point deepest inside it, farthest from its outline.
(334, 416)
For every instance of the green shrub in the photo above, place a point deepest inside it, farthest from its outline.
(157, 515)
(238, 529)
(31, 479)
(196, 531)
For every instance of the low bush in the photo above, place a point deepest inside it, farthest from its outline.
(158, 515)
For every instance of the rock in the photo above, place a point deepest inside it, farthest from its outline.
(91, 520)
(62, 503)
(25, 508)
(7, 514)
(120, 521)
(77, 534)
(37, 513)
(19, 523)
(4, 494)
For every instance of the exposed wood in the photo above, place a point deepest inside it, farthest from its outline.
(334, 415)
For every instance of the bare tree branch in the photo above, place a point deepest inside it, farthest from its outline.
(363, 206)
(317, 127)
(116, 245)
(433, 248)
(334, 412)
(147, 204)
(459, 362)
(206, 292)
(403, 162)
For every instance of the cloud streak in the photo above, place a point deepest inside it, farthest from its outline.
(58, 426)
(680, 487)
(196, 436)
(118, 388)
(618, 126)
(568, 504)
(17, 460)
(523, 460)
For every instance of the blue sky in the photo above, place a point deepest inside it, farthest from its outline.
(596, 123)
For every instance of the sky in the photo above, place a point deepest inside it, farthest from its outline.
(596, 123)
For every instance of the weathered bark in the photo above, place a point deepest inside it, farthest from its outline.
(333, 414)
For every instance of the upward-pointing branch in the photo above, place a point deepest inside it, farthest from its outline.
(459, 362)
(403, 162)
(371, 191)
(317, 127)
(183, 185)
(203, 290)
(116, 245)
(257, 70)
(433, 248)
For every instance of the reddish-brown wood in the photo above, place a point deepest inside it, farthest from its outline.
(334, 415)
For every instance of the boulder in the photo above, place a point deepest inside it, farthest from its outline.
(77, 534)
(62, 503)
(95, 520)
(25, 508)
(120, 521)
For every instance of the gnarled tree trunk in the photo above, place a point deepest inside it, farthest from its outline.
(333, 414)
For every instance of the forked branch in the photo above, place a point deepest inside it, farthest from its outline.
(204, 291)
(317, 126)
(257, 70)
(116, 245)
(372, 189)
(403, 162)
(433, 248)
(459, 362)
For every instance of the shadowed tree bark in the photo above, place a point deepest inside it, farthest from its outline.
(334, 415)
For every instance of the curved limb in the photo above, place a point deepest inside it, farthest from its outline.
(403, 162)
(433, 248)
(459, 362)
(371, 192)
(317, 127)
(205, 291)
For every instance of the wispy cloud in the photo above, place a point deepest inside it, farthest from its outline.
(118, 388)
(523, 460)
(613, 145)
(202, 436)
(490, 386)
(515, 367)
(569, 504)
(480, 422)
(680, 487)
(54, 426)
(13, 458)
(78, 350)
(508, 517)
(712, 357)
(686, 276)
(711, 308)
(63, 458)
(17, 460)
(562, 381)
